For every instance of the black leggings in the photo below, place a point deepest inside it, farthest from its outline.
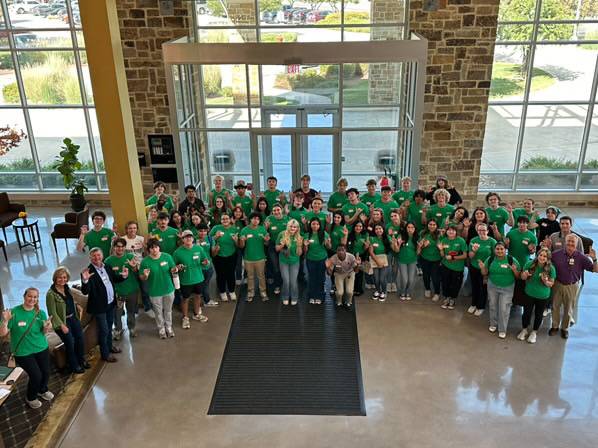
(537, 307)
(225, 272)
(451, 282)
(37, 366)
(479, 291)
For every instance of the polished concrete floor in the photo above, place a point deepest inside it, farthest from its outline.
(431, 378)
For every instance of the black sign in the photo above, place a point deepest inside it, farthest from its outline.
(161, 149)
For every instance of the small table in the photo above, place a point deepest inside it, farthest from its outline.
(23, 227)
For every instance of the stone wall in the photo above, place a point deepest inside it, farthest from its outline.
(461, 35)
(143, 30)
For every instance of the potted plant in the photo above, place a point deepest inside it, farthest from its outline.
(67, 163)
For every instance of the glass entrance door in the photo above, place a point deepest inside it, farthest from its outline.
(288, 155)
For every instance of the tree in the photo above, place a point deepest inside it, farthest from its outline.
(10, 138)
(524, 10)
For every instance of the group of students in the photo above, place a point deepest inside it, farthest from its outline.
(376, 240)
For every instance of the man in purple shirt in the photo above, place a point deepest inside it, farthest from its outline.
(569, 264)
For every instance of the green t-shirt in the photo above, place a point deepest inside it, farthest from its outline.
(192, 258)
(357, 246)
(153, 200)
(288, 255)
(337, 201)
(297, 214)
(35, 341)
(151, 226)
(220, 194)
(431, 252)
(349, 210)
(414, 215)
(316, 250)
(457, 245)
(408, 252)
(245, 202)
(272, 197)
(254, 243)
(206, 245)
(439, 214)
(275, 226)
(130, 284)
(500, 273)
(401, 196)
(393, 229)
(335, 237)
(101, 239)
(534, 286)
(386, 208)
(168, 238)
(519, 243)
(321, 217)
(227, 245)
(159, 282)
(517, 212)
(377, 245)
(500, 216)
(370, 200)
(484, 251)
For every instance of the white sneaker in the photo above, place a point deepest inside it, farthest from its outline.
(445, 304)
(200, 317)
(47, 395)
(34, 404)
(546, 312)
(392, 287)
(419, 272)
(277, 290)
(186, 324)
(492, 329)
(532, 337)
(150, 314)
(232, 296)
(522, 334)
(502, 334)
(451, 304)
(162, 333)
(212, 303)
(427, 293)
(170, 332)
(223, 297)
(478, 312)
(318, 302)
(382, 297)
(265, 298)
(436, 298)
(402, 297)
(117, 334)
(293, 302)
(472, 309)
(408, 297)
(375, 295)
(285, 302)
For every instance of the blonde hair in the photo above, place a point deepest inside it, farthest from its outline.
(342, 180)
(59, 271)
(286, 234)
(440, 191)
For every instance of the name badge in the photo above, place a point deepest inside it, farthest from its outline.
(196, 257)
(311, 241)
(22, 323)
(526, 242)
(439, 214)
(375, 245)
(163, 263)
(249, 236)
(171, 236)
(104, 238)
(115, 268)
(203, 243)
(544, 224)
(558, 243)
(504, 266)
(274, 227)
(571, 261)
(338, 205)
(420, 211)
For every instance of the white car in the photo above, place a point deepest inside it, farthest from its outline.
(23, 6)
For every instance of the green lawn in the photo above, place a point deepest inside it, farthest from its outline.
(355, 92)
(508, 81)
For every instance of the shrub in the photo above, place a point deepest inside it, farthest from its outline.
(349, 71)
(548, 163)
(212, 80)
(10, 92)
(278, 37)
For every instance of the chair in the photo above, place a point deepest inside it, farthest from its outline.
(71, 227)
(9, 211)
(3, 246)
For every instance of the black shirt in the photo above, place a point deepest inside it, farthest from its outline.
(546, 228)
(68, 299)
(186, 204)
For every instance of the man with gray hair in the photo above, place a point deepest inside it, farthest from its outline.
(570, 264)
(98, 284)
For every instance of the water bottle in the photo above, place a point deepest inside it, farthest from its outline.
(176, 281)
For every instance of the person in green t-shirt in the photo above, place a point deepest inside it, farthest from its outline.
(157, 269)
(427, 249)
(224, 257)
(338, 232)
(316, 212)
(99, 236)
(275, 223)
(274, 195)
(219, 192)
(441, 210)
(502, 271)
(386, 203)
(167, 236)
(242, 200)
(253, 238)
(521, 242)
(539, 275)
(127, 291)
(480, 248)
(316, 242)
(205, 241)
(405, 244)
(354, 210)
(453, 250)
(497, 216)
(289, 245)
(297, 211)
(378, 250)
(339, 198)
(405, 193)
(358, 244)
(190, 260)
(27, 325)
(394, 228)
(160, 199)
(215, 213)
(527, 210)
(413, 209)
(371, 197)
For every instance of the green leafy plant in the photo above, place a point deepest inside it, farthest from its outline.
(67, 163)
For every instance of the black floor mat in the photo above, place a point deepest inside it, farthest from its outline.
(301, 360)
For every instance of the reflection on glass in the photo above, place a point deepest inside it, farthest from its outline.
(361, 159)
(229, 153)
(371, 117)
(226, 12)
(86, 77)
(8, 81)
(500, 138)
(291, 85)
(44, 39)
(589, 181)
(19, 158)
(317, 161)
(55, 182)
(372, 11)
(528, 181)
(227, 117)
(80, 39)
(274, 118)
(227, 35)
(509, 72)
(18, 181)
(552, 138)
(50, 77)
(224, 84)
(275, 157)
(491, 182)
(51, 126)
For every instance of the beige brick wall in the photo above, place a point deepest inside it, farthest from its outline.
(461, 35)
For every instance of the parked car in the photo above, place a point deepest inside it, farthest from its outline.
(23, 6)
(24, 39)
(269, 16)
(316, 16)
(299, 15)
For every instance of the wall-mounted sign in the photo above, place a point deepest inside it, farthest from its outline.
(161, 148)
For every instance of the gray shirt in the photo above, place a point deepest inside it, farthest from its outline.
(345, 266)
(557, 240)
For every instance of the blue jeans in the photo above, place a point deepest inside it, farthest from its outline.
(317, 277)
(500, 300)
(205, 285)
(73, 343)
(381, 278)
(274, 265)
(406, 278)
(290, 286)
(104, 322)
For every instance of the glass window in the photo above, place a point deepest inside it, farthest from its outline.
(292, 85)
(369, 161)
(97, 143)
(224, 84)
(373, 84)
(371, 117)
(38, 14)
(8, 80)
(19, 158)
(500, 139)
(12, 181)
(509, 72)
(228, 117)
(229, 155)
(44, 39)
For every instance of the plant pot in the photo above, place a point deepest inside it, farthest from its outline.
(78, 202)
